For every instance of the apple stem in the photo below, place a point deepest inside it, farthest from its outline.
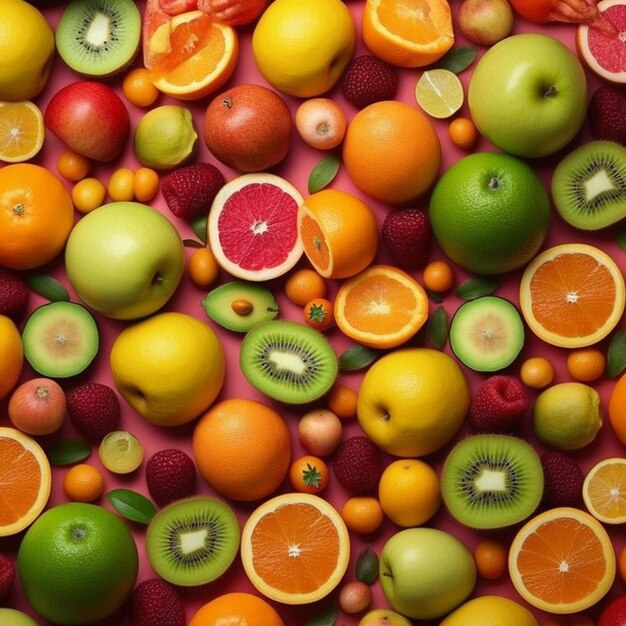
(42, 391)
(551, 91)
(227, 102)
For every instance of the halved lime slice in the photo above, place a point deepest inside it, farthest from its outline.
(439, 93)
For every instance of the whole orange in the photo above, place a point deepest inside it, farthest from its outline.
(242, 448)
(236, 609)
(392, 152)
(36, 216)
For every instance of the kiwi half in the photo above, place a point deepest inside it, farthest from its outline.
(589, 185)
(288, 361)
(99, 38)
(193, 540)
(491, 481)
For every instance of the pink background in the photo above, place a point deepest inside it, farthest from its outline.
(296, 169)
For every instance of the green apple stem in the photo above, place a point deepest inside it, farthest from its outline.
(550, 91)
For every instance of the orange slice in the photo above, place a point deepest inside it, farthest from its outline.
(604, 491)
(562, 561)
(190, 56)
(382, 307)
(25, 477)
(295, 548)
(21, 131)
(408, 33)
(572, 295)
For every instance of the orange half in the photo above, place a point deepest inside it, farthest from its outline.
(21, 131)
(408, 33)
(604, 491)
(572, 295)
(295, 548)
(562, 561)
(25, 477)
(190, 56)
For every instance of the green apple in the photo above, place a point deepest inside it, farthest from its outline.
(13, 617)
(528, 95)
(124, 260)
(426, 572)
(384, 617)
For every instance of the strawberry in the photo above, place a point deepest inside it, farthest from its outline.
(14, 294)
(155, 602)
(407, 236)
(368, 79)
(94, 409)
(7, 576)
(607, 114)
(357, 465)
(189, 190)
(498, 404)
(170, 475)
(562, 479)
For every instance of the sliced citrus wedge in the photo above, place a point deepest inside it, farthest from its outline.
(439, 92)
(21, 131)
(604, 490)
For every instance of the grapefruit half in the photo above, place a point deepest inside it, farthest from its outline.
(252, 226)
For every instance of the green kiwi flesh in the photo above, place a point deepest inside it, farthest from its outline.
(491, 481)
(239, 305)
(99, 38)
(589, 185)
(288, 361)
(487, 334)
(60, 339)
(193, 541)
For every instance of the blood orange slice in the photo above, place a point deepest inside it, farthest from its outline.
(253, 228)
(605, 52)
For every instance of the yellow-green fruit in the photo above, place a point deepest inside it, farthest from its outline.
(490, 611)
(413, 401)
(13, 617)
(301, 47)
(384, 617)
(26, 50)
(169, 367)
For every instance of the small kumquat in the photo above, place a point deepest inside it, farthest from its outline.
(88, 194)
(463, 133)
(202, 267)
(73, 166)
(438, 276)
(318, 313)
(342, 400)
(138, 89)
(491, 559)
(83, 483)
(362, 514)
(304, 285)
(308, 474)
(145, 184)
(586, 364)
(121, 185)
(537, 372)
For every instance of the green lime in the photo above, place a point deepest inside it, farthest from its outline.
(490, 213)
(165, 137)
(567, 416)
(77, 563)
(439, 93)
(120, 452)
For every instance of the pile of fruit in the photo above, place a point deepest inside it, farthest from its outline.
(312, 312)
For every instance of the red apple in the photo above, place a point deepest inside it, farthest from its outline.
(248, 128)
(90, 118)
(614, 613)
(485, 22)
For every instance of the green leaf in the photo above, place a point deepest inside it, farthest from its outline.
(621, 240)
(324, 171)
(68, 451)
(199, 227)
(48, 287)
(434, 296)
(457, 59)
(357, 357)
(132, 505)
(367, 566)
(476, 287)
(327, 617)
(616, 355)
(192, 243)
(437, 327)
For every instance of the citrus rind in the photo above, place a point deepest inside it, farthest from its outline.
(439, 92)
(588, 498)
(13, 138)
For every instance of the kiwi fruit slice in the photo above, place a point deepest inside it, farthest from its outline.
(239, 305)
(61, 339)
(288, 361)
(589, 185)
(491, 481)
(99, 38)
(193, 541)
(487, 334)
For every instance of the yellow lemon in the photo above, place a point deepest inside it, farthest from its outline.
(490, 611)
(302, 47)
(169, 367)
(26, 50)
(11, 355)
(413, 401)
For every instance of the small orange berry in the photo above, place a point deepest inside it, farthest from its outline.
(362, 514)
(537, 372)
(121, 183)
(88, 194)
(319, 314)
(73, 166)
(202, 267)
(308, 474)
(586, 364)
(438, 276)
(83, 483)
(138, 89)
(145, 184)
(491, 559)
(342, 401)
(304, 285)
(463, 133)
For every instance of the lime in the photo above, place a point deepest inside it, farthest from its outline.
(439, 92)
(490, 212)
(165, 137)
(121, 452)
(77, 563)
(567, 416)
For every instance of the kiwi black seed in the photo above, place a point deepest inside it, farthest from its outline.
(288, 361)
(589, 185)
(492, 481)
(99, 38)
(193, 541)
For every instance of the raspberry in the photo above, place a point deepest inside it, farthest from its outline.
(357, 465)
(368, 79)
(498, 404)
